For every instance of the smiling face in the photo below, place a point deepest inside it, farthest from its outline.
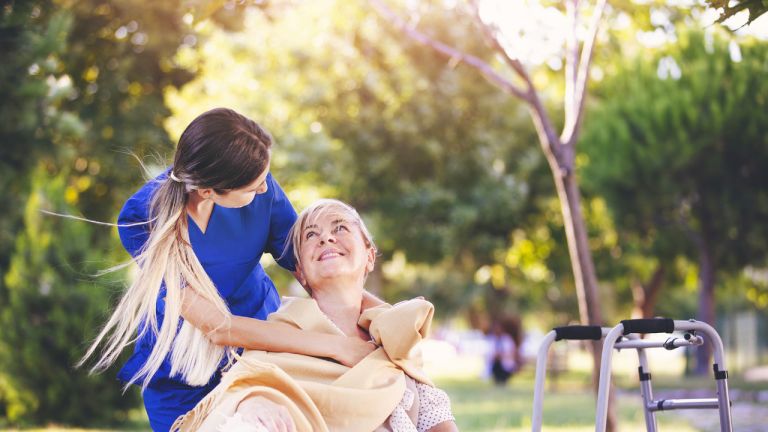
(332, 246)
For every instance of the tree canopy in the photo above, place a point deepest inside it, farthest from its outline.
(82, 85)
(678, 156)
(437, 161)
(443, 166)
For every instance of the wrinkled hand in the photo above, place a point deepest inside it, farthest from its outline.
(352, 350)
(264, 413)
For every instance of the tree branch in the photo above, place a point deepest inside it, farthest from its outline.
(571, 129)
(452, 53)
(489, 32)
(570, 102)
(548, 137)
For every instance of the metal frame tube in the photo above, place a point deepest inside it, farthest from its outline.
(641, 344)
(724, 401)
(538, 388)
(541, 373)
(711, 333)
(647, 395)
(646, 389)
(721, 375)
(721, 372)
(603, 389)
(678, 404)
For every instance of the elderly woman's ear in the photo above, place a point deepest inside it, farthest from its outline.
(371, 260)
(299, 275)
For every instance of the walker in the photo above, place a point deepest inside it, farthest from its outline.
(624, 336)
(663, 325)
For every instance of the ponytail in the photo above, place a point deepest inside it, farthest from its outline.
(167, 259)
(222, 150)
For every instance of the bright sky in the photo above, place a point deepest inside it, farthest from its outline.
(536, 34)
(758, 28)
(543, 29)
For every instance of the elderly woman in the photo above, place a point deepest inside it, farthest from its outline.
(386, 391)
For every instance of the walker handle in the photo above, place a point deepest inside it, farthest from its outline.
(578, 332)
(651, 325)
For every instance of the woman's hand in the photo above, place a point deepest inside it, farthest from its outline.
(262, 412)
(352, 350)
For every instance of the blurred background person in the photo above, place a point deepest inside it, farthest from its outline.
(504, 356)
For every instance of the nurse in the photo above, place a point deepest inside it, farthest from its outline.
(197, 233)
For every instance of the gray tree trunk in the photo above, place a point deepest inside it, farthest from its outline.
(583, 268)
(644, 295)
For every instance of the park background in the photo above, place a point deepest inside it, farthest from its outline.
(444, 163)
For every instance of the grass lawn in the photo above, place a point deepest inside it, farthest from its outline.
(480, 406)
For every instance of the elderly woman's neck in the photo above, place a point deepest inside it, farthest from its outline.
(342, 306)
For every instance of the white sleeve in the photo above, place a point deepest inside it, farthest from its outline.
(434, 407)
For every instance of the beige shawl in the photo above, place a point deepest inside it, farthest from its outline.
(320, 394)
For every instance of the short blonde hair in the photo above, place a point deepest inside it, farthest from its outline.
(317, 210)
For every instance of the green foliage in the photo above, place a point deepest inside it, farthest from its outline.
(441, 164)
(444, 168)
(50, 280)
(82, 84)
(678, 156)
(25, 41)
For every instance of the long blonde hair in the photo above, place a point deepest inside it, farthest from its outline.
(220, 149)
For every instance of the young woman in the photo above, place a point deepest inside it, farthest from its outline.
(197, 233)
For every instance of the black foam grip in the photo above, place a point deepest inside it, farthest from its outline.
(578, 332)
(653, 325)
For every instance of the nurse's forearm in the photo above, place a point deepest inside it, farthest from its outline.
(251, 333)
(231, 330)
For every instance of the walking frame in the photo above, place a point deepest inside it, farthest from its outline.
(624, 336)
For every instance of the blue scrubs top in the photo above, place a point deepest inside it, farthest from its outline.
(230, 251)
